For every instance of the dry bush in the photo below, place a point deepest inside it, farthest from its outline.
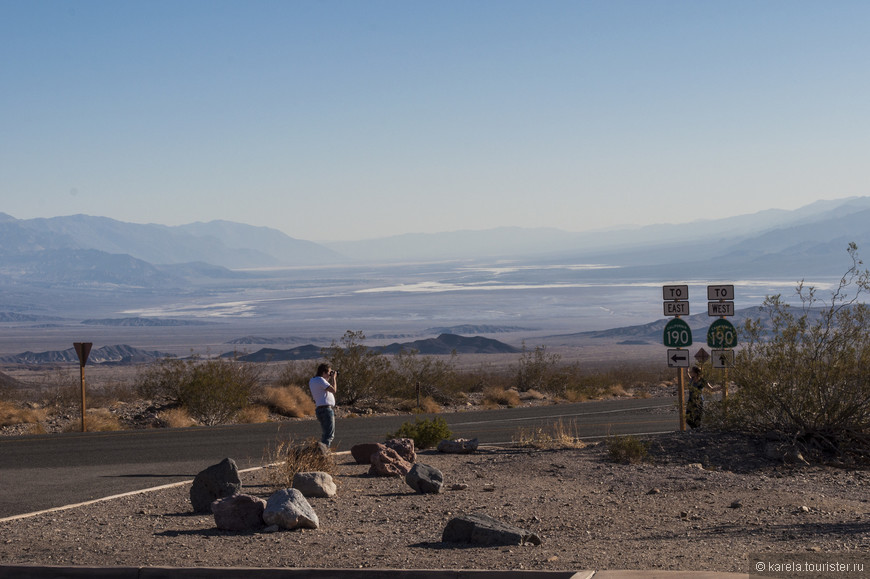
(627, 449)
(96, 420)
(289, 401)
(427, 406)
(616, 390)
(556, 436)
(296, 373)
(108, 394)
(494, 397)
(288, 458)
(11, 415)
(175, 418)
(253, 414)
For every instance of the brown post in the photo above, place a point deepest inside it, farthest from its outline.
(682, 397)
(83, 350)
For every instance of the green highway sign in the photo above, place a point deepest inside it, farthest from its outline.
(677, 334)
(722, 334)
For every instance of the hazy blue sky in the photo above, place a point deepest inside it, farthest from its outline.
(355, 119)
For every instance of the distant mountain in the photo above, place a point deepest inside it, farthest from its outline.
(443, 344)
(449, 343)
(121, 354)
(220, 243)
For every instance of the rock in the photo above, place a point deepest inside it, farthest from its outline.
(314, 484)
(654, 491)
(238, 513)
(288, 509)
(458, 446)
(403, 446)
(387, 462)
(736, 504)
(216, 482)
(483, 530)
(362, 453)
(458, 487)
(425, 479)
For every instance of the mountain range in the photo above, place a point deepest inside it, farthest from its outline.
(82, 249)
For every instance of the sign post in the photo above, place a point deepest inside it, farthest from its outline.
(677, 336)
(722, 335)
(83, 350)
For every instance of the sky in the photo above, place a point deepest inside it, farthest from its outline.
(356, 119)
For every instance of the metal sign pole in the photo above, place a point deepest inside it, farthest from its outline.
(682, 397)
(84, 412)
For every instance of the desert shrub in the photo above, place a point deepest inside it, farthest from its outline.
(426, 433)
(287, 458)
(553, 436)
(296, 373)
(494, 396)
(11, 414)
(213, 391)
(627, 449)
(426, 405)
(60, 390)
(804, 375)
(253, 414)
(288, 401)
(362, 371)
(539, 370)
(175, 418)
(436, 377)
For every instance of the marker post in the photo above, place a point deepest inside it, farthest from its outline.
(83, 350)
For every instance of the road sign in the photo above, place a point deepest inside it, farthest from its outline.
(678, 358)
(723, 358)
(702, 355)
(677, 334)
(720, 292)
(676, 308)
(720, 309)
(675, 292)
(83, 350)
(721, 334)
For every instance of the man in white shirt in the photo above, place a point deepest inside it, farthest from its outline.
(323, 388)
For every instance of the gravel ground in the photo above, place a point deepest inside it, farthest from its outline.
(702, 501)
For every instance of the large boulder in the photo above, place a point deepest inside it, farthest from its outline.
(425, 479)
(314, 484)
(387, 462)
(288, 509)
(216, 482)
(362, 453)
(478, 529)
(238, 513)
(403, 446)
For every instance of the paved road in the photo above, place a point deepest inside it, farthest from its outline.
(41, 472)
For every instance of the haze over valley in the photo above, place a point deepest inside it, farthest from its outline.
(215, 287)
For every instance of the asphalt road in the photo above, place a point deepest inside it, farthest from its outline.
(46, 471)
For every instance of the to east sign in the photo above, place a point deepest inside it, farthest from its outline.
(675, 292)
(721, 334)
(677, 334)
(676, 308)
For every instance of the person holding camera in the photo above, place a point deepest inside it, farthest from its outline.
(323, 388)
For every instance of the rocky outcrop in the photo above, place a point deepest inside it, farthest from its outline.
(314, 484)
(425, 479)
(238, 513)
(478, 529)
(387, 462)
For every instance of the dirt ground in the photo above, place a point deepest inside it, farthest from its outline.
(701, 501)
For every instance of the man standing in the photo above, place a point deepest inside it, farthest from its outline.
(323, 388)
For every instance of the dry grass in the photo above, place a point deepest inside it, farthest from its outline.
(11, 415)
(289, 401)
(288, 458)
(556, 436)
(494, 397)
(427, 406)
(97, 420)
(253, 414)
(175, 418)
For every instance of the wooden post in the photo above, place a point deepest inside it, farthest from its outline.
(682, 397)
(84, 423)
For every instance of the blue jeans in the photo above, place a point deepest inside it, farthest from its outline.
(326, 417)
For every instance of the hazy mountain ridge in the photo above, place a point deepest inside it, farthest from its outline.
(119, 354)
